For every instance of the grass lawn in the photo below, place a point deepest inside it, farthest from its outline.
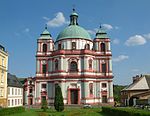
(66, 112)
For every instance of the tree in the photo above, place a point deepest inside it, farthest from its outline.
(58, 101)
(117, 92)
(44, 105)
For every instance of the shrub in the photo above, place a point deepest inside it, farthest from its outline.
(58, 101)
(44, 105)
(8, 111)
(124, 111)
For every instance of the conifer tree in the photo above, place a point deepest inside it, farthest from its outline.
(44, 105)
(58, 101)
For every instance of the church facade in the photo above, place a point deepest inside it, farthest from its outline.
(80, 65)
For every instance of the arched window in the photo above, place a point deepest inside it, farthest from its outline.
(103, 48)
(56, 64)
(90, 64)
(44, 68)
(104, 68)
(44, 48)
(104, 85)
(59, 46)
(87, 46)
(73, 66)
(91, 88)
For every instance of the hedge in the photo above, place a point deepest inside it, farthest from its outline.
(8, 111)
(124, 111)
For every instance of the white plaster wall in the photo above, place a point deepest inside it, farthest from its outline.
(110, 65)
(15, 97)
(80, 43)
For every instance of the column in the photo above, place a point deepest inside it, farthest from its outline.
(68, 90)
(61, 63)
(78, 95)
(110, 85)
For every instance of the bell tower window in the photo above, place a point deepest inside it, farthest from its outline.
(44, 68)
(103, 47)
(44, 48)
(91, 88)
(104, 68)
(90, 64)
(73, 66)
(56, 64)
(73, 45)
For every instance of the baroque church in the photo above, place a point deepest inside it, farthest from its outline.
(80, 65)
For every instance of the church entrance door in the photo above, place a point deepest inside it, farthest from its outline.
(74, 96)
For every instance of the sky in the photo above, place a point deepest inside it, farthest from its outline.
(127, 23)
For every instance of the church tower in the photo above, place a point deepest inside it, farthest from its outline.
(102, 46)
(45, 47)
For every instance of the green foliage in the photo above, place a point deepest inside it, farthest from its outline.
(124, 111)
(58, 102)
(67, 112)
(42, 114)
(44, 105)
(8, 111)
(117, 92)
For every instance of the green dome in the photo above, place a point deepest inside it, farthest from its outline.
(73, 31)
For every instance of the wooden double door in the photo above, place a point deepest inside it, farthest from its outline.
(74, 96)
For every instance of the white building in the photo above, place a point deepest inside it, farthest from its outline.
(15, 92)
(82, 66)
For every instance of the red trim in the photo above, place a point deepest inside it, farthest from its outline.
(104, 92)
(69, 102)
(71, 76)
(40, 62)
(78, 96)
(53, 81)
(102, 40)
(75, 52)
(73, 72)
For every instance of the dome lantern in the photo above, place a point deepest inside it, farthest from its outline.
(74, 18)
(73, 30)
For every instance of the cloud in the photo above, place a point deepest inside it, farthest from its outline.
(17, 34)
(120, 58)
(92, 32)
(116, 41)
(135, 40)
(147, 36)
(46, 18)
(27, 30)
(135, 70)
(107, 26)
(116, 27)
(57, 21)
